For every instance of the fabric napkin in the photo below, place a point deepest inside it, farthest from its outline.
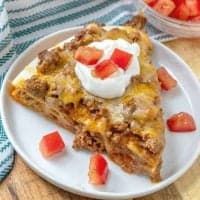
(23, 22)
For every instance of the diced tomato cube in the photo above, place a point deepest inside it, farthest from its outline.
(166, 80)
(88, 55)
(98, 169)
(178, 2)
(195, 19)
(164, 7)
(193, 6)
(121, 58)
(182, 12)
(150, 2)
(51, 144)
(181, 122)
(105, 69)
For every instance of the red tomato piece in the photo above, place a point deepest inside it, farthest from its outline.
(98, 169)
(193, 6)
(51, 144)
(181, 122)
(121, 58)
(88, 55)
(105, 69)
(178, 2)
(182, 12)
(150, 2)
(164, 7)
(166, 80)
(195, 19)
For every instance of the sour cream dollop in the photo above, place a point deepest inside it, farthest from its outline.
(116, 84)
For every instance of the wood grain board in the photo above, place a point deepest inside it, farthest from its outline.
(24, 184)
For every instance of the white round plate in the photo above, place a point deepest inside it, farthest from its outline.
(69, 170)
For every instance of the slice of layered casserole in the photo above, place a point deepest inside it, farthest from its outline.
(102, 86)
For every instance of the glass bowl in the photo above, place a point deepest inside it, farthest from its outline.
(169, 25)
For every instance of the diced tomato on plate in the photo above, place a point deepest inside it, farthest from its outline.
(121, 58)
(88, 55)
(167, 82)
(181, 122)
(98, 169)
(164, 7)
(51, 144)
(105, 69)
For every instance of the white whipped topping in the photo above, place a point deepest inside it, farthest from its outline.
(116, 84)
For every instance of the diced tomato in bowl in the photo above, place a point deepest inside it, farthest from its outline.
(181, 12)
(179, 9)
(51, 144)
(181, 122)
(164, 7)
(178, 2)
(193, 6)
(195, 19)
(150, 2)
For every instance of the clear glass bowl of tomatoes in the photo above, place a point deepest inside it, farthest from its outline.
(177, 17)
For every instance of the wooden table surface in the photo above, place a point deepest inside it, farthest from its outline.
(24, 184)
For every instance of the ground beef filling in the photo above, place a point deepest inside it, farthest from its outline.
(37, 87)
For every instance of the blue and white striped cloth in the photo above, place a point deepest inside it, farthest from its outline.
(22, 22)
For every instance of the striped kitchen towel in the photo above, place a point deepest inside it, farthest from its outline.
(23, 22)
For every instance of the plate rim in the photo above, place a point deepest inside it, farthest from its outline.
(38, 170)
